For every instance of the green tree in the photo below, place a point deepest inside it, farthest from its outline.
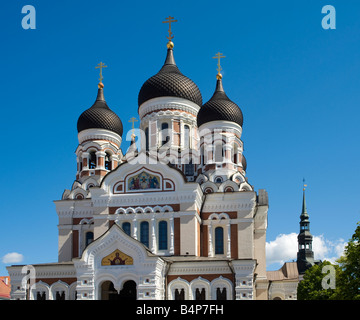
(348, 284)
(347, 276)
(315, 279)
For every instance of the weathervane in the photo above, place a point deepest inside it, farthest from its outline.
(169, 20)
(101, 66)
(219, 56)
(304, 185)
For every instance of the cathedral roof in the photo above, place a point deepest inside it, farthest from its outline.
(169, 81)
(100, 116)
(219, 107)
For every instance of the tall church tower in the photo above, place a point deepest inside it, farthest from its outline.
(305, 255)
(100, 134)
(220, 122)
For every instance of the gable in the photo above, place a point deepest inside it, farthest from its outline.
(145, 175)
(143, 180)
(115, 249)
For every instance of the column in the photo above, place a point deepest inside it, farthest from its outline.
(172, 250)
(85, 158)
(211, 250)
(114, 161)
(135, 223)
(100, 159)
(228, 250)
(153, 235)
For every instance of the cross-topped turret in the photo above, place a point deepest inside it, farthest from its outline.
(133, 120)
(169, 20)
(219, 56)
(101, 66)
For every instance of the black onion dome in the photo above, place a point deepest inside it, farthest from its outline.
(219, 107)
(99, 116)
(169, 81)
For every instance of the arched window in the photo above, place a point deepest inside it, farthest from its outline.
(126, 226)
(60, 295)
(221, 294)
(218, 180)
(200, 294)
(219, 240)
(186, 137)
(163, 235)
(235, 151)
(179, 294)
(92, 160)
(89, 237)
(144, 233)
(164, 133)
(107, 161)
(147, 139)
(40, 295)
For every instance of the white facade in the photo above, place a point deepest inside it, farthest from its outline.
(152, 224)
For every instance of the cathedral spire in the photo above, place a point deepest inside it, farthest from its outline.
(305, 255)
(304, 215)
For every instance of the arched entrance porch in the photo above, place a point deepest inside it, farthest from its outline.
(128, 291)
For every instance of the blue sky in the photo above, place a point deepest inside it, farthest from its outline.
(296, 83)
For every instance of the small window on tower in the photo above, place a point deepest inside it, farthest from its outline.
(165, 138)
(127, 228)
(218, 180)
(89, 237)
(92, 160)
(147, 139)
(107, 161)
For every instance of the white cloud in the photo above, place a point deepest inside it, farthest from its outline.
(284, 248)
(325, 249)
(12, 257)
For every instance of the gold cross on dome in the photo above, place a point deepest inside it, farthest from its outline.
(219, 56)
(133, 120)
(101, 66)
(169, 21)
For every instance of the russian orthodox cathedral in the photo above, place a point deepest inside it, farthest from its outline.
(172, 218)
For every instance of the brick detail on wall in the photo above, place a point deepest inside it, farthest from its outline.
(75, 243)
(234, 241)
